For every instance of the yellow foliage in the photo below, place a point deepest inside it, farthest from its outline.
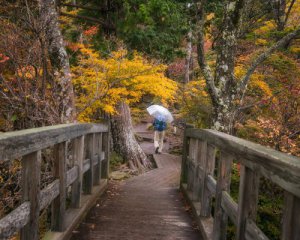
(239, 71)
(210, 16)
(294, 17)
(101, 83)
(266, 28)
(196, 104)
(196, 88)
(261, 42)
(257, 82)
(67, 20)
(295, 49)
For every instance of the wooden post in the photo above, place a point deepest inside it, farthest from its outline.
(223, 184)
(190, 176)
(192, 166)
(197, 170)
(31, 169)
(59, 171)
(78, 154)
(202, 155)
(89, 176)
(184, 167)
(202, 151)
(105, 166)
(248, 197)
(291, 219)
(101, 155)
(96, 159)
(184, 162)
(98, 151)
(209, 169)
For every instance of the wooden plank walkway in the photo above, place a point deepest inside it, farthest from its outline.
(146, 207)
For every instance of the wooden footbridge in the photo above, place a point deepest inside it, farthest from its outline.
(147, 206)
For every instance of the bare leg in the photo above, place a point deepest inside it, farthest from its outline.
(161, 141)
(156, 140)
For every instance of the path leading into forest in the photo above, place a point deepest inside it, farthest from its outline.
(148, 206)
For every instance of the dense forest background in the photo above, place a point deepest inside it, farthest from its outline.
(156, 42)
(228, 65)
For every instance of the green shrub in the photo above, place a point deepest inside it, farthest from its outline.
(115, 161)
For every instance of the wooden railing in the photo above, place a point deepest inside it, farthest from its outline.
(200, 185)
(88, 162)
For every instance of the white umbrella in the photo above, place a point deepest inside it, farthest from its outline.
(160, 113)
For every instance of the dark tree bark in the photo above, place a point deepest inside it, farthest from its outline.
(279, 13)
(225, 91)
(59, 60)
(124, 142)
(282, 12)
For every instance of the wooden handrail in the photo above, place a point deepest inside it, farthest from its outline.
(280, 168)
(19, 143)
(200, 185)
(27, 145)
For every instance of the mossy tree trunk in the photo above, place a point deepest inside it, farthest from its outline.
(124, 142)
(188, 58)
(59, 60)
(227, 92)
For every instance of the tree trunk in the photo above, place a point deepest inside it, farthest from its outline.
(226, 92)
(59, 60)
(124, 142)
(188, 57)
(279, 7)
(223, 118)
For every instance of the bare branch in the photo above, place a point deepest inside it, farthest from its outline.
(262, 57)
(92, 8)
(294, 134)
(289, 11)
(239, 13)
(91, 19)
(259, 103)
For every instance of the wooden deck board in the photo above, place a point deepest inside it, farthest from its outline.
(148, 207)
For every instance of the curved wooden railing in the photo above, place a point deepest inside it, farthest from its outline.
(88, 173)
(200, 185)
